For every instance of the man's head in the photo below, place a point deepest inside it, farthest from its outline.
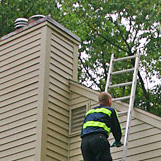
(105, 98)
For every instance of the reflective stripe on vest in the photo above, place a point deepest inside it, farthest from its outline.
(100, 110)
(96, 124)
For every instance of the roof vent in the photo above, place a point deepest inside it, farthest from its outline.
(20, 22)
(35, 18)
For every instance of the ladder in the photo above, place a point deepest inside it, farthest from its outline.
(132, 95)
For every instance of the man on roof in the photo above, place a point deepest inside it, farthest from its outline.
(99, 122)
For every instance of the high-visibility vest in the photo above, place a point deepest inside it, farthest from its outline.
(102, 119)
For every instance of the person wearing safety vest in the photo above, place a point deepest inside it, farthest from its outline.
(99, 122)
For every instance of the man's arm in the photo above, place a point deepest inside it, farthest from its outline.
(116, 128)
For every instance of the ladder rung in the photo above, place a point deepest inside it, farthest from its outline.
(121, 84)
(125, 58)
(123, 71)
(122, 113)
(120, 98)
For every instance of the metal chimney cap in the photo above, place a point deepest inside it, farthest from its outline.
(21, 20)
(36, 17)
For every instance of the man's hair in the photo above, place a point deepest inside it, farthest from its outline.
(103, 97)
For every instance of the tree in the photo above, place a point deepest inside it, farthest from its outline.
(12, 9)
(123, 28)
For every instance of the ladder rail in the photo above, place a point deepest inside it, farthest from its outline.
(130, 107)
(109, 73)
(131, 97)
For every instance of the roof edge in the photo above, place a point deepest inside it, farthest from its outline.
(120, 106)
(55, 23)
(140, 114)
(92, 94)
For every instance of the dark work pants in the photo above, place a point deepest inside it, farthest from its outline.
(95, 147)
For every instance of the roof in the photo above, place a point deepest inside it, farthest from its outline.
(119, 105)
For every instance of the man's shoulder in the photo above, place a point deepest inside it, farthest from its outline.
(110, 108)
(107, 107)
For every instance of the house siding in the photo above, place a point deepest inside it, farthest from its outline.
(19, 70)
(76, 101)
(35, 67)
(63, 51)
(58, 102)
(144, 139)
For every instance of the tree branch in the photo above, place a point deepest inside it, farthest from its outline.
(110, 42)
(104, 66)
(135, 36)
(28, 11)
(145, 92)
(87, 71)
(124, 39)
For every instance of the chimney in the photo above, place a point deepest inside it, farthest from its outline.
(36, 63)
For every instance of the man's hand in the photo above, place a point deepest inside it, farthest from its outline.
(116, 144)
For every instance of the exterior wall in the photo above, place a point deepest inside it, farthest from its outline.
(145, 132)
(80, 96)
(145, 136)
(35, 67)
(62, 51)
(19, 81)
(77, 100)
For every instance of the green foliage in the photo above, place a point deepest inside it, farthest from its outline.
(155, 97)
(122, 27)
(12, 9)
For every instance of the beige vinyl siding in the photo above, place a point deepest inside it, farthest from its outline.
(141, 147)
(61, 62)
(142, 136)
(74, 148)
(143, 141)
(19, 77)
(35, 67)
(77, 101)
(145, 132)
(58, 109)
